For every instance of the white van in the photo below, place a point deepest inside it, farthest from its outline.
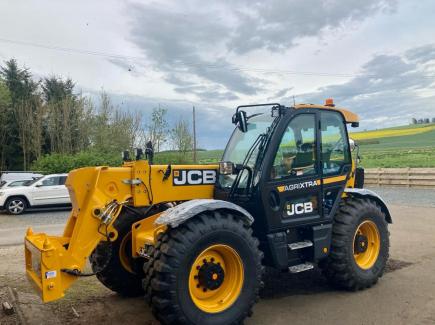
(17, 176)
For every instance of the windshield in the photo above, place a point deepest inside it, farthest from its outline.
(18, 183)
(240, 142)
(239, 145)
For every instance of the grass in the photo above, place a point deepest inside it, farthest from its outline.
(393, 132)
(203, 157)
(403, 146)
(416, 150)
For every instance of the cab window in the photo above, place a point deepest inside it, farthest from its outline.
(335, 146)
(296, 155)
(51, 181)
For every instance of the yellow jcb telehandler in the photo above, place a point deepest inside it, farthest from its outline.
(194, 239)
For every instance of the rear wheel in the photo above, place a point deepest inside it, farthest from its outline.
(113, 263)
(359, 247)
(16, 205)
(206, 271)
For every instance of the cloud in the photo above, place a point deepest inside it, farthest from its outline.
(183, 43)
(132, 66)
(280, 93)
(390, 90)
(422, 54)
(206, 93)
(191, 43)
(276, 25)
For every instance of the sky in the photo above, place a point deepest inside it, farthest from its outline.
(375, 57)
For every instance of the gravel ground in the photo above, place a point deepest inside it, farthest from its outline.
(13, 228)
(34, 218)
(406, 196)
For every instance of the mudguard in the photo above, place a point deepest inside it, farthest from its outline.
(180, 213)
(365, 193)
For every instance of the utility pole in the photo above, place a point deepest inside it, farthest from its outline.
(194, 136)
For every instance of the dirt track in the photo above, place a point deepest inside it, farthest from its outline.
(405, 295)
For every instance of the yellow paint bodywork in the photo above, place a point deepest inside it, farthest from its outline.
(348, 115)
(91, 189)
(350, 183)
(144, 232)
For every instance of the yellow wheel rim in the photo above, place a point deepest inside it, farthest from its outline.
(216, 278)
(124, 248)
(366, 245)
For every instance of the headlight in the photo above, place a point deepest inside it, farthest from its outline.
(2, 193)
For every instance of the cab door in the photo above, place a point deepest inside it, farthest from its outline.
(292, 190)
(335, 159)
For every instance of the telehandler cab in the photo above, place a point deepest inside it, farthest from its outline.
(194, 239)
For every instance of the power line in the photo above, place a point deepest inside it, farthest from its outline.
(192, 64)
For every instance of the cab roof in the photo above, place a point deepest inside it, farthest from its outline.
(348, 115)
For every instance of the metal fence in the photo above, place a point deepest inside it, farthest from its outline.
(403, 177)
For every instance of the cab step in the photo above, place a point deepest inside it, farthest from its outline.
(300, 244)
(301, 267)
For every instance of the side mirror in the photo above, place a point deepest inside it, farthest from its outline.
(240, 119)
(226, 168)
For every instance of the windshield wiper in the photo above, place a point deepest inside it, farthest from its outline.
(257, 141)
(254, 115)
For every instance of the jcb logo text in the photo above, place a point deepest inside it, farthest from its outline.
(194, 176)
(299, 208)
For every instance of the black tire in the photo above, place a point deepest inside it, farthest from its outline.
(108, 266)
(16, 205)
(341, 267)
(167, 273)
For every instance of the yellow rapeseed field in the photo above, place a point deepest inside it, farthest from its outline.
(390, 132)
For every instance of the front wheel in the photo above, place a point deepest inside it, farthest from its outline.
(359, 247)
(206, 271)
(16, 205)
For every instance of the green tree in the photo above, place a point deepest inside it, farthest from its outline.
(5, 118)
(157, 130)
(23, 91)
(63, 163)
(68, 116)
(67, 124)
(55, 89)
(113, 130)
(182, 139)
(18, 80)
